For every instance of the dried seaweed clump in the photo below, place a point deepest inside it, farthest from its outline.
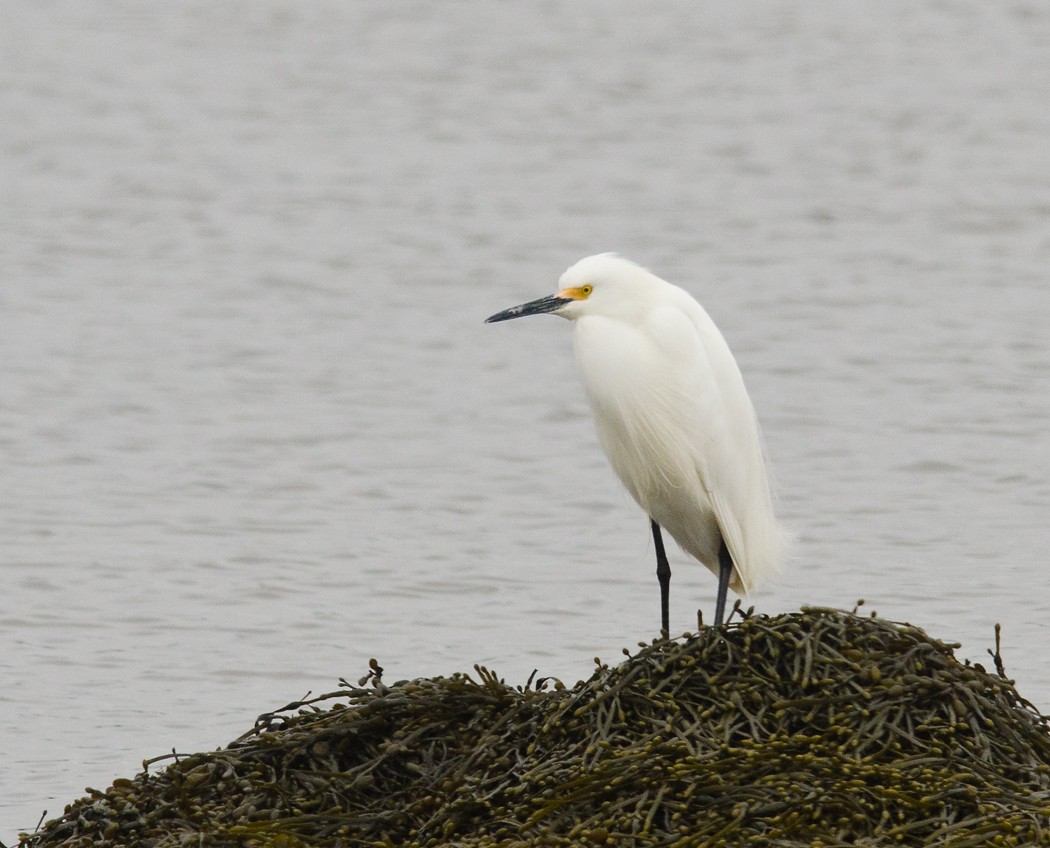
(814, 728)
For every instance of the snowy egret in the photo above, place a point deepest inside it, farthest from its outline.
(673, 417)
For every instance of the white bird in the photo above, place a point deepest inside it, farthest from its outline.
(673, 417)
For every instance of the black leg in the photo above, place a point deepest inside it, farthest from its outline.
(663, 574)
(725, 571)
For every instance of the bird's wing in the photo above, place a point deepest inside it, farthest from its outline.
(727, 446)
(675, 421)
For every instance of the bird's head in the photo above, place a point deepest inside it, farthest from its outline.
(600, 284)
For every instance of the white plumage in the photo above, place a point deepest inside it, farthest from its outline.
(672, 414)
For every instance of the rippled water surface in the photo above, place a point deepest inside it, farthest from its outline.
(254, 432)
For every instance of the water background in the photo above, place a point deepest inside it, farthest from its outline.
(253, 430)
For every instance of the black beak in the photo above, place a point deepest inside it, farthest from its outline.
(534, 307)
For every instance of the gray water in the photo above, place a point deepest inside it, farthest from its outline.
(254, 431)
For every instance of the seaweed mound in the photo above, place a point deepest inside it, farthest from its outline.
(813, 728)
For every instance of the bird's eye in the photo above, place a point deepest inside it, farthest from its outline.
(586, 290)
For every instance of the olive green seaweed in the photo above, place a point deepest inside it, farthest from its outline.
(818, 728)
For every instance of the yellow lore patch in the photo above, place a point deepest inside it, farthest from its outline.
(578, 293)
